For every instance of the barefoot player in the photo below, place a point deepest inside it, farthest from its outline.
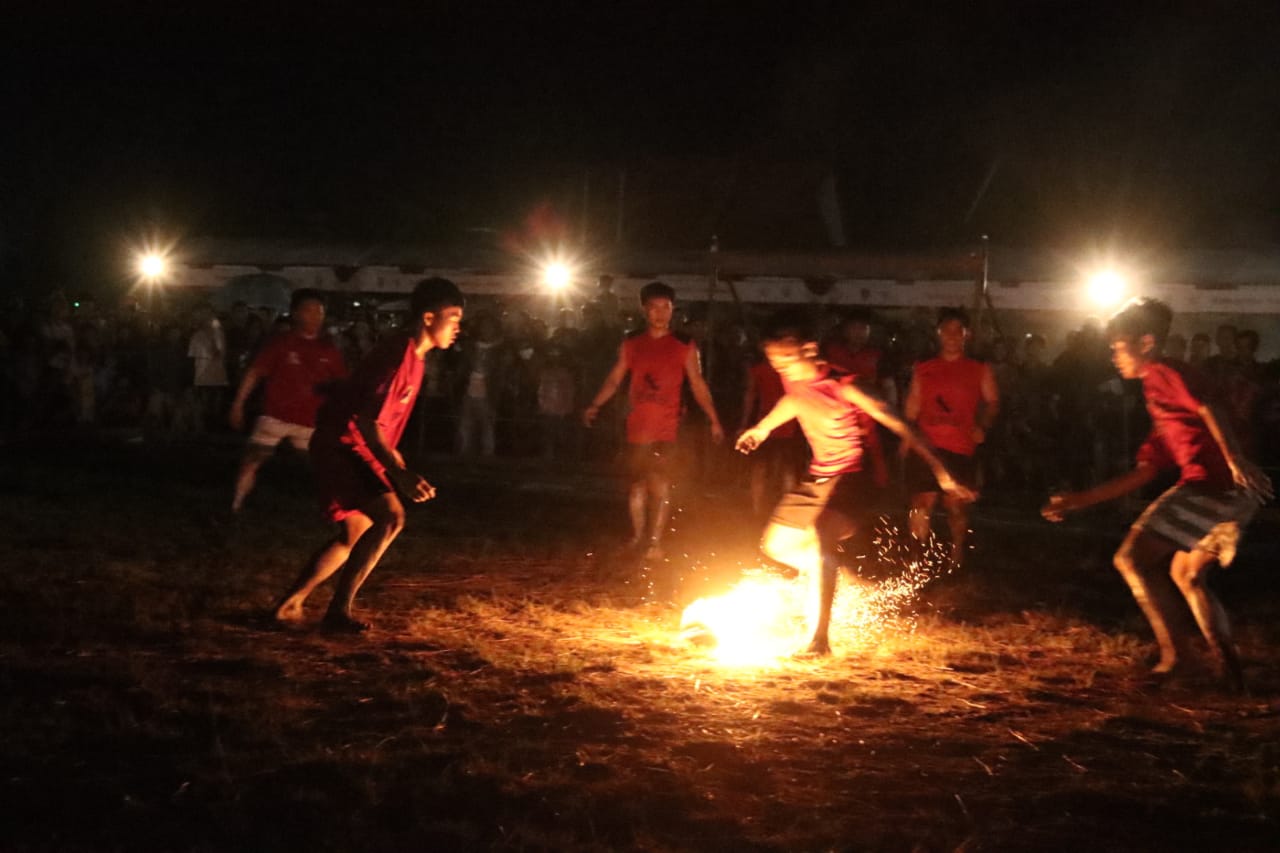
(660, 362)
(828, 505)
(362, 477)
(1196, 523)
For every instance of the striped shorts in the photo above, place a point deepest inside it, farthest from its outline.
(1193, 517)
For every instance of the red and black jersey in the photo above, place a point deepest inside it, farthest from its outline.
(657, 374)
(950, 391)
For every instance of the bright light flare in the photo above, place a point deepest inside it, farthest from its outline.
(1107, 288)
(557, 275)
(152, 266)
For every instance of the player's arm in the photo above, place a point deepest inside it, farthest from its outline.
(607, 388)
(254, 375)
(911, 406)
(752, 438)
(1059, 505)
(409, 484)
(701, 393)
(990, 404)
(876, 408)
(1247, 475)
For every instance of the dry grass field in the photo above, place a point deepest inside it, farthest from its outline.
(524, 690)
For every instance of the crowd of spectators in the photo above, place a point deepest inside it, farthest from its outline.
(514, 386)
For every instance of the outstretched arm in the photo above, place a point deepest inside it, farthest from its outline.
(607, 388)
(1059, 505)
(876, 408)
(752, 438)
(701, 393)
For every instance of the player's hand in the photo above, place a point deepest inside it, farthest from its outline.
(236, 417)
(412, 486)
(717, 433)
(1057, 507)
(750, 440)
(589, 415)
(1252, 480)
(954, 489)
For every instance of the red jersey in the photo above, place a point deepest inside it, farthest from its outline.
(829, 421)
(657, 375)
(949, 395)
(296, 370)
(1179, 436)
(864, 364)
(769, 391)
(383, 388)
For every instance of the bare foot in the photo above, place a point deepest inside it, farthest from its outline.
(820, 647)
(343, 623)
(287, 611)
(654, 552)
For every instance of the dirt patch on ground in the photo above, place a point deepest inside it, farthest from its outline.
(523, 691)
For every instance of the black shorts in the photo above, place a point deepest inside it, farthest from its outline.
(657, 458)
(848, 495)
(919, 476)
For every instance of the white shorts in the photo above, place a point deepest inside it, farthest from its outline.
(1193, 517)
(269, 432)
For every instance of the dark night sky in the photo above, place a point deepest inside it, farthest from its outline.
(1150, 123)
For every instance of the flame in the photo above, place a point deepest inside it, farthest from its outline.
(761, 619)
(765, 617)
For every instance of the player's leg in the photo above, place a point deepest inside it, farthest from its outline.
(387, 516)
(321, 566)
(1190, 572)
(1140, 560)
(255, 455)
(958, 522)
(658, 485)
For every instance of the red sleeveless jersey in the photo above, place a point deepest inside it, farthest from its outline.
(657, 375)
(829, 422)
(949, 395)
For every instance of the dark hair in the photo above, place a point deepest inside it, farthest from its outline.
(788, 324)
(1248, 335)
(1200, 336)
(301, 295)
(657, 290)
(433, 294)
(952, 312)
(1141, 317)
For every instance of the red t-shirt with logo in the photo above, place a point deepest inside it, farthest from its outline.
(657, 375)
(769, 391)
(950, 392)
(383, 388)
(296, 369)
(829, 421)
(1179, 436)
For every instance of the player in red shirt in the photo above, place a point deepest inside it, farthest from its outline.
(361, 476)
(298, 368)
(828, 505)
(1195, 523)
(660, 362)
(953, 400)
